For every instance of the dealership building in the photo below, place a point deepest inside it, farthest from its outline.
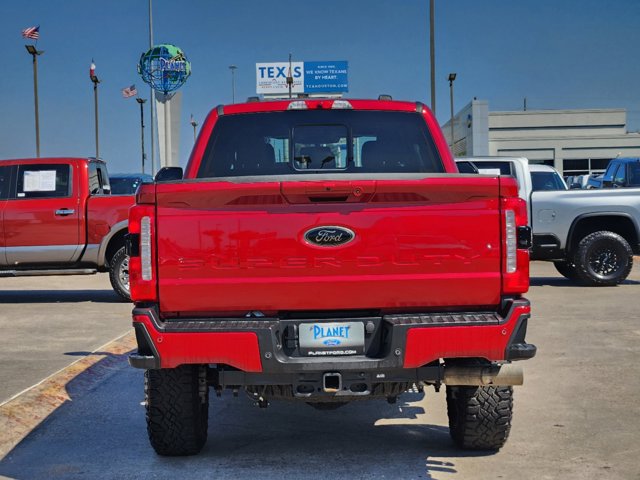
(573, 141)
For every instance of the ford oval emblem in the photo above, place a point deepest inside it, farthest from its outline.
(329, 236)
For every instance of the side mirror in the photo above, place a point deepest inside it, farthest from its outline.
(169, 174)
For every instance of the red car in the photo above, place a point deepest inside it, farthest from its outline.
(325, 251)
(58, 217)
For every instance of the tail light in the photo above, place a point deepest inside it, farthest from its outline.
(516, 243)
(142, 269)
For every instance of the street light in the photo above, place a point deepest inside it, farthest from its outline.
(432, 49)
(141, 102)
(452, 77)
(34, 53)
(95, 80)
(194, 124)
(233, 69)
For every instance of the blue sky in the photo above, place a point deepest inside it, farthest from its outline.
(557, 54)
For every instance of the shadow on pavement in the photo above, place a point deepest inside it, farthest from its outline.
(100, 432)
(58, 296)
(564, 282)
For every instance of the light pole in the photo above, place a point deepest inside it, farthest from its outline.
(152, 103)
(432, 48)
(95, 81)
(34, 53)
(194, 124)
(141, 102)
(452, 77)
(233, 69)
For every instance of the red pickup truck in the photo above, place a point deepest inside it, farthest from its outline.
(325, 251)
(57, 217)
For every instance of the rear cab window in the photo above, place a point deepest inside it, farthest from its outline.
(98, 179)
(322, 141)
(634, 174)
(547, 181)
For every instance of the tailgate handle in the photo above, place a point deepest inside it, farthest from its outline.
(316, 192)
(333, 193)
(65, 211)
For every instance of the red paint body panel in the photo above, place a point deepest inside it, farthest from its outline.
(237, 349)
(425, 345)
(220, 252)
(32, 222)
(105, 211)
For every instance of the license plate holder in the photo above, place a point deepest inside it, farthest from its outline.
(326, 339)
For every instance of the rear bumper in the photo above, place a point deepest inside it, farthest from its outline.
(393, 343)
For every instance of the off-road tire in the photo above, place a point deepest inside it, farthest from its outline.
(567, 270)
(177, 407)
(119, 274)
(479, 417)
(603, 259)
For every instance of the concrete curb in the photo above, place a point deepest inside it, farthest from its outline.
(22, 413)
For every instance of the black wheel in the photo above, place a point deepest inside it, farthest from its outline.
(479, 417)
(603, 259)
(567, 270)
(119, 274)
(177, 405)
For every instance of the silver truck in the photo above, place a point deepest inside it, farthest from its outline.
(589, 235)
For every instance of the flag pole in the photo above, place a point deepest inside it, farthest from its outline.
(34, 52)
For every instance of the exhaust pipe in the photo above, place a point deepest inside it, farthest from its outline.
(502, 375)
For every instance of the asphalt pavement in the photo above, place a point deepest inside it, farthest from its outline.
(576, 417)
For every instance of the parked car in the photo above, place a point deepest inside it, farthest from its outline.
(58, 217)
(325, 251)
(591, 236)
(127, 183)
(530, 176)
(620, 173)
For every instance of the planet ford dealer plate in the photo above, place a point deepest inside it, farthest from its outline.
(328, 339)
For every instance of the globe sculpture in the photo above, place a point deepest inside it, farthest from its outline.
(165, 68)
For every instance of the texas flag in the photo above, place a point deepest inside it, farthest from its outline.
(92, 70)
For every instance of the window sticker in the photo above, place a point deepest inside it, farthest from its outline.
(39, 181)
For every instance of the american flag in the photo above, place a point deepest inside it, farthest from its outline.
(31, 32)
(129, 91)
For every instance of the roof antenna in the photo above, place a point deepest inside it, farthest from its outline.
(290, 77)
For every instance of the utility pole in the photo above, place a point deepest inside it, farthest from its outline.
(95, 80)
(233, 83)
(141, 102)
(34, 53)
(433, 53)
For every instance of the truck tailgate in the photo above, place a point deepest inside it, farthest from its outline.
(239, 247)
